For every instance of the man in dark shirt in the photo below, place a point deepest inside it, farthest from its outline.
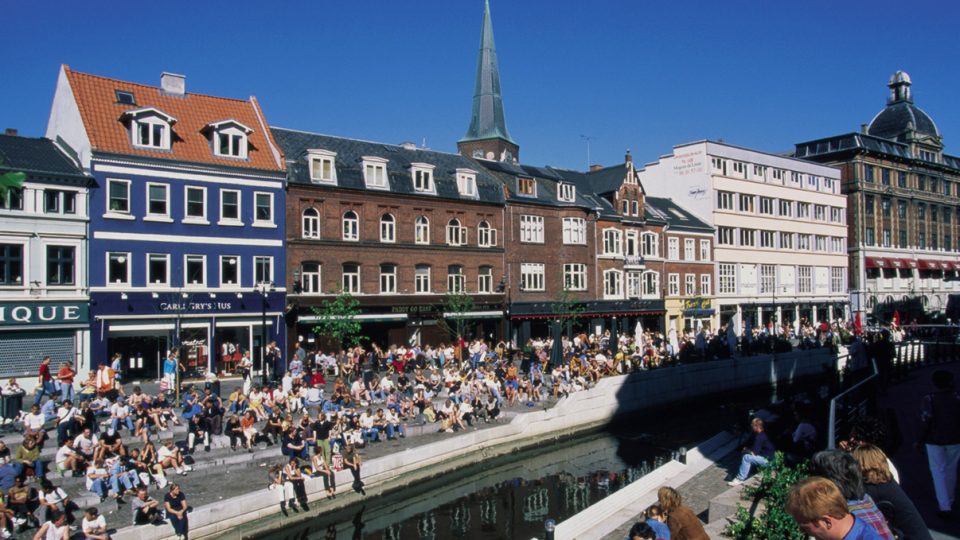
(940, 432)
(759, 452)
(321, 429)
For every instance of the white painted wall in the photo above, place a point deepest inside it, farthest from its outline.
(65, 120)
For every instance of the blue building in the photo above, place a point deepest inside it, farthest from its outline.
(186, 221)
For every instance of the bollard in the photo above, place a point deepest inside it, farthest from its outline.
(548, 527)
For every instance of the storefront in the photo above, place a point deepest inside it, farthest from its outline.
(30, 330)
(697, 313)
(407, 321)
(211, 330)
(534, 319)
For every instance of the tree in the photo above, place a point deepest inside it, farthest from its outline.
(456, 304)
(10, 180)
(337, 320)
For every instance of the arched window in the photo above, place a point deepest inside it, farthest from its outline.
(455, 279)
(456, 234)
(311, 223)
(351, 226)
(351, 278)
(486, 235)
(650, 245)
(310, 278)
(651, 284)
(421, 232)
(388, 228)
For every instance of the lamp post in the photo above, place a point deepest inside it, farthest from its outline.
(263, 288)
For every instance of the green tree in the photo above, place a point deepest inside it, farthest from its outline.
(10, 180)
(456, 304)
(337, 320)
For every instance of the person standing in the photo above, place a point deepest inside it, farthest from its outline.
(940, 432)
(44, 381)
(170, 371)
(175, 503)
(65, 376)
(351, 460)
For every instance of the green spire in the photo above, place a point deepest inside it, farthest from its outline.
(487, 120)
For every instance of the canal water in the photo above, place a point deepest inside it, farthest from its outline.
(510, 497)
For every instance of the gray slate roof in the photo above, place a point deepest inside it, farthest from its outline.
(674, 215)
(349, 165)
(895, 120)
(547, 179)
(856, 142)
(39, 158)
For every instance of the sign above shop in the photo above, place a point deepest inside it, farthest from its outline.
(696, 303)
(29, 313)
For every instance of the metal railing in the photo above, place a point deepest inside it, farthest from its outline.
(850, 404)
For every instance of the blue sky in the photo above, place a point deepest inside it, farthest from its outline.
(626, 74)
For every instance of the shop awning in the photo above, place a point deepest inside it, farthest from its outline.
(910, 263)
(366, 317)
(698, 312)
(955, 265)
(876, 262)
(934, 265)
(492, 314)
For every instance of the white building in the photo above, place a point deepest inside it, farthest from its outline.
(781, 233)
(44, 302)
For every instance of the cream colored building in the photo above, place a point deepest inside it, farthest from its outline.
(780, 249)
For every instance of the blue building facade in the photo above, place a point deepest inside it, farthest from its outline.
(187, 223)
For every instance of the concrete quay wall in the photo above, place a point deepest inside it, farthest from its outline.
(581, 411)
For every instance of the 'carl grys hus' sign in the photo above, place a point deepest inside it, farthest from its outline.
(30, 313)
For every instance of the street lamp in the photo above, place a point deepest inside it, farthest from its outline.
(263, 288)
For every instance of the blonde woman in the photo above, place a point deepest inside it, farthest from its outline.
(879, 484)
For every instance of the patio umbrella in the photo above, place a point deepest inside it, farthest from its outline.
(638, 333)
(556, 352)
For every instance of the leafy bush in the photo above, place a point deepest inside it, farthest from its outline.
(775, 523)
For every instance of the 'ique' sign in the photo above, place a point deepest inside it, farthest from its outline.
(43, 313)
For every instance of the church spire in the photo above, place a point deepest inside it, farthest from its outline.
(487, 137)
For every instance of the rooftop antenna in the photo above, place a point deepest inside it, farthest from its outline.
(588, 138)
(424, 145)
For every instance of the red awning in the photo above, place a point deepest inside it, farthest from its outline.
(955, 265)
(946, 265)
(876, 262)
(932, 265)
(909, 263)
(896, 263)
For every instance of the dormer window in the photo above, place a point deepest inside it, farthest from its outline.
(229, 138)
(527, 187)
(150, 128)
(467, 182)
(422, 174)
(375, 172)
(567, 192)
(323, 166)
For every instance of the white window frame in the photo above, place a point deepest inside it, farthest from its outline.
(689, 284)
(566, 192)
(388, 280)
(532, 277)
(650, 244)
(804, 279)
(689, 249)
(613, 284)
(153, 216)
(650, 283)
(257, 222)
(456, 233)
(673, 284)
(456, 281)
(574, 231)
(235, 136)
(727, 273)
(322, 157)
(574, 277)
(486, 235)
(151, 120)
(121, 214)
(631, 243)
(110, 254)
(421, 278)
(187, 218)
(467, 183)
(350, 226)
(705, 285)
(375, 172)
(726, 236)
(186, 260)
(768, 235)
(231, 221)
(311, 278)
(165, 257)
(673, 249)
(310, 224)
(531, 229)
(237, 264)
(532, 182)
(420, 172)
(388, 228)
(485, 280)
(350, 283)
(704, 250)
(421, 230)
(612, 242)
(726, 201)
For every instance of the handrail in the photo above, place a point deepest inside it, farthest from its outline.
(832, 424)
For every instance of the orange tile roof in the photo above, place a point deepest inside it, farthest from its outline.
(96, 97)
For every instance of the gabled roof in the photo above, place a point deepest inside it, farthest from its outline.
(674, 215)
(101, 115)
(39, 158)
(548, 181)
(350, 154)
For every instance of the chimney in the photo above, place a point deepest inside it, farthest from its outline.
(173, 84)
(10, 131)
(628, 158)
(863, 128)
(408, 145)
(595, 167)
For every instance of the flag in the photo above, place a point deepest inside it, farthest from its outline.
(896, 317)
(858, 325)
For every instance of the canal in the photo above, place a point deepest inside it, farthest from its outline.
(508, 498)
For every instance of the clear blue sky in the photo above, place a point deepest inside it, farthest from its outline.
(629, 74)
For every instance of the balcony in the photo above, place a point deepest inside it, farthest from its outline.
(633, 261)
